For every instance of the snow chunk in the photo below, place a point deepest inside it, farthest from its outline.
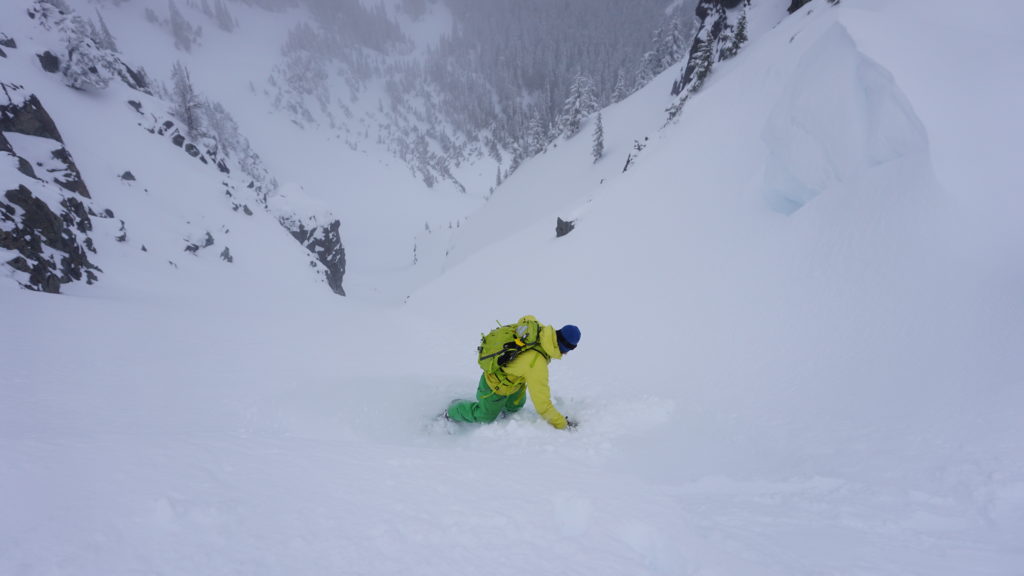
(841, 114)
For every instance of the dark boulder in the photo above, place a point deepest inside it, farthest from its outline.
(49, 61)
(134, 79)
(795, 5)
(563, 227)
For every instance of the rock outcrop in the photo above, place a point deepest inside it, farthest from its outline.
(43, 219)
(324, 242)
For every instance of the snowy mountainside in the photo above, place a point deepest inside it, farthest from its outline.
(374, 113)
(797, 280)
(829, 384)
(173, 193)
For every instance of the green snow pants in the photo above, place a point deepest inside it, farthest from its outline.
(488, 405)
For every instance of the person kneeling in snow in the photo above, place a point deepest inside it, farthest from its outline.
(514, 359)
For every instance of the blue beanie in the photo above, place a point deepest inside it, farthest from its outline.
(568, 338)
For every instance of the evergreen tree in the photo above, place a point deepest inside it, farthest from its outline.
(741, 31)
(647, 70)
(185, 102)
(672, 47)
(185, 34)
(104, 39)
(536, 135)
(621, 90)
(87, 65)
(598, 149)
(733, 43)
(580, 104)
(225, 21)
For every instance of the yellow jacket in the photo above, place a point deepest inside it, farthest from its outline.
(531, 369)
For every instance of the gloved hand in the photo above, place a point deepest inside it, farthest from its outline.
(570, 425)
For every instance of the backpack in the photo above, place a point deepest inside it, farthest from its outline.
(504, 344)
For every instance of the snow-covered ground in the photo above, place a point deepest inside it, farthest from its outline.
(802, 349)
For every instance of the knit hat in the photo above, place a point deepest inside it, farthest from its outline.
(568, 338)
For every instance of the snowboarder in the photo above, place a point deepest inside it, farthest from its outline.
(514, 366)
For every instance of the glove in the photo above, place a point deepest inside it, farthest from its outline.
(570, 425)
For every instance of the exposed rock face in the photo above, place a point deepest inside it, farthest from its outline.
(48, 227)
(563, 227)
(325, 243)
(719, 36)
(27, 116)
(71, 179)
(795, 5)
(29, 226)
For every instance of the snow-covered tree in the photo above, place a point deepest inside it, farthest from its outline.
(86, 64)
(225, 21)
(536, 135)
(673, 45)
(646, 71)
(621, 89)
(220, 124)
(581, 103)
(598, 149)
(185, 102)
(668, 46)
(185, 34)
(104, 39)
(733, 43)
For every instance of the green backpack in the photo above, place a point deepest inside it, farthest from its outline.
(504, 344)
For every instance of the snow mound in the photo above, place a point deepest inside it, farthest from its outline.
(841, 114)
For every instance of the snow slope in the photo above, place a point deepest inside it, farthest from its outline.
(380, 202)
(801, 344)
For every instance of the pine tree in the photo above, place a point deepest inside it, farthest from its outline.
(598, 150)
(741, 30)
(735, 42)
(536, 135)
(185, 35)
(673, 45)
(104, 38)
(225, 21)
(647, 70)
(87, 65)
(621, 91)
(185, 102)
(580, 104)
